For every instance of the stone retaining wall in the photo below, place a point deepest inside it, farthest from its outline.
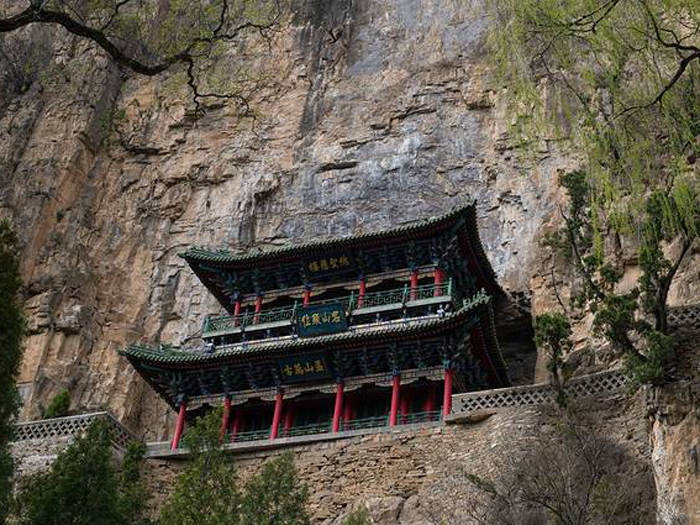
(405, 473)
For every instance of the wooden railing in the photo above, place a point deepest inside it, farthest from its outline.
(352, 303)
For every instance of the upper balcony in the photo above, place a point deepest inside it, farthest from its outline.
(360, 309)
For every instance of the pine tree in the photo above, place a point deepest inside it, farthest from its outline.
(11, 330)
(209, 492)
(84, 486)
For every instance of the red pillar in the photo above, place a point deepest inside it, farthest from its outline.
(395, 395)
(179, 427)
(307, 297)
(225, 418)
(447, 397)
(338, 407)
(277, 415)
(361, 296)
(439, 278)
(236, 311)
(258, 307)
(414, 284)
(237, 424)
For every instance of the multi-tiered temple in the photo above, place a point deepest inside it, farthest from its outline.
(365, 331)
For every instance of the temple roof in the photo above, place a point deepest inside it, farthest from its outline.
(171, 358)
(252, 257)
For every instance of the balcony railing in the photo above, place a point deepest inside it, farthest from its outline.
(368, 422)
(353, 303)
(420, 417)
(306, 430)
(252, 435)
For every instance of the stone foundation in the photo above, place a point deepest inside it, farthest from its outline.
(402, 474)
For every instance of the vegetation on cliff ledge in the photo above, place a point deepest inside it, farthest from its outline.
(617, 83)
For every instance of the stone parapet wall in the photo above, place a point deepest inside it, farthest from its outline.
(35, 455)
(70, 426)
(590, 385)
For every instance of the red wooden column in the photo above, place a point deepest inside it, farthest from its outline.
(237, 424)
(307, 296)
(225, 418)
(414, 284)
(179, 427)
(395, 397)
(277, 415)
(258, 307)
(236, 310)
(447, 396)
(338, 410)
(439, 278)
(361, 295)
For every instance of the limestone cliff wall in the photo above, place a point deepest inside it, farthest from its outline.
(379, 112)
(390, 120)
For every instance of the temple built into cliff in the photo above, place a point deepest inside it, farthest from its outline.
(371, 330)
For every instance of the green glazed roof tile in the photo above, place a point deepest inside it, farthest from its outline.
(199, 254)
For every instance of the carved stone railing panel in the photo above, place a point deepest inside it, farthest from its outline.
(594, 384)
(74, 426)
(684, 318)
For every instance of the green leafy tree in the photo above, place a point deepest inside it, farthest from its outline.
(616, 83)
(11, 331)
(553, 334)
(208, 492)
(83, 485)
(59, 406)
(275, 496)
(132, 488)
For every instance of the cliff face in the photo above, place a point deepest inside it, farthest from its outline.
(378, 113)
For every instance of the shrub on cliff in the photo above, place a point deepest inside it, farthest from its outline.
(11, 330)
(358, 517)
(84, 487)
(209, 492)
(59, 406)
(569, 473)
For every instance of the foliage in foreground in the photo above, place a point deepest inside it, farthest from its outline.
(11, 331)
(84, 487)
(201, 43)
(617, 84)
(209, 491)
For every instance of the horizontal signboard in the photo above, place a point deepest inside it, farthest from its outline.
(303, 368)
(321, 319)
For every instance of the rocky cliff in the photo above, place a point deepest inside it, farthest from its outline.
(378, 113)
